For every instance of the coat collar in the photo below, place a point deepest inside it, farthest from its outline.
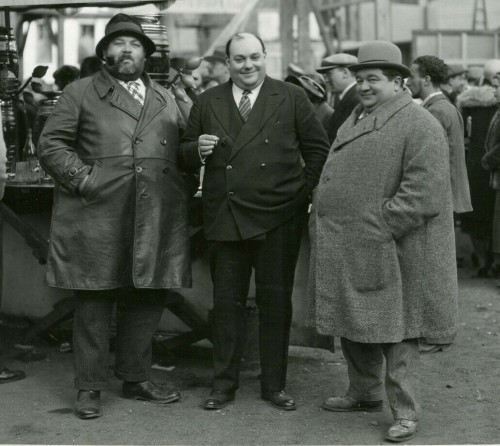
(354, 128)
(434, 99)
(155, 100)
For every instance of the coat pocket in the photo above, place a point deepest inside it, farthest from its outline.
(371, 264)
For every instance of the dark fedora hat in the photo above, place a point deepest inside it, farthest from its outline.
(380, 54)
(124, 25)
(219, 55)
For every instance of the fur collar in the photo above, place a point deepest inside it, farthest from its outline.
(477, 97)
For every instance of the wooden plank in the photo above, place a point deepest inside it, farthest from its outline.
(323, 28)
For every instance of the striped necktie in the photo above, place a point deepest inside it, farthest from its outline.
(133, 88)
(245, 106)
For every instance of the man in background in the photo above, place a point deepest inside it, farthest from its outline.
(455, 82)
(427, 73)
(341, 84)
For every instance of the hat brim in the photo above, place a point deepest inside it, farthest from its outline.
(212, 59)
(328, 68)
(149, 45)
(402, 69)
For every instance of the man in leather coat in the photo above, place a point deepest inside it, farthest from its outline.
(119, 227)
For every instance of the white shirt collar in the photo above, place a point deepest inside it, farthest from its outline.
(238, 93)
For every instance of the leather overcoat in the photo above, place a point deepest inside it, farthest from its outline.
(128, 224)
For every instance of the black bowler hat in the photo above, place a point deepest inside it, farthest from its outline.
(124, 25)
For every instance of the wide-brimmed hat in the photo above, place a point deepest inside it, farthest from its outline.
(219, 55)
(124, 25)
(380, 54)
(336, 60)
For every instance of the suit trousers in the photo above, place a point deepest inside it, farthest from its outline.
(138, 313)
(274, 259)
(364, 363)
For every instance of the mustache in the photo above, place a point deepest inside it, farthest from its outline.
(110, 60)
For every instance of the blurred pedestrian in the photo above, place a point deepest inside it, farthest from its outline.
(478, 105)
(455, 82)
(316, 94)
(342, 84)
(218, 70)
(491, 162)
(6, 375)
(119, 228)
(65, 75)
(382, 270)
(90, 66)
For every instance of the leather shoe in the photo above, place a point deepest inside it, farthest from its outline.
(88, 404)
(280, 399)
(149, 391)
(348, 404)
(401, 430)
(218, 399)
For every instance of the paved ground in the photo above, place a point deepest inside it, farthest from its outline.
(460, 397)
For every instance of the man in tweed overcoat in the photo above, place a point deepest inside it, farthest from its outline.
(383, 269)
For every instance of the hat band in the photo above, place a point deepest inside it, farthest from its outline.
(380, 60)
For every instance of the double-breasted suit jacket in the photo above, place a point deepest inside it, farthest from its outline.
(262, 171)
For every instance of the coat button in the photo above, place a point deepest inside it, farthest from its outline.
(136, 141)
(229, 167)
(72, 172)
(231, 193)
(163, 142)
(262, 166)
(138, 169)
(266, 141)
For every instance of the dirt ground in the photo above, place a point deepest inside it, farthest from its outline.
(459, 394)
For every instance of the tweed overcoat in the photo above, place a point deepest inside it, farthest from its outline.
(451, 120)
(128, 225)
(383, 252)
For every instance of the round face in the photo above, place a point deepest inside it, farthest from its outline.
(375, 88)
(125, 55)
(247, 62)
(336, 79)
(415, 82)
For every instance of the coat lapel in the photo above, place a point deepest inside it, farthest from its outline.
(226, 112)
(266, 104)
(153, 104)
(354, 128)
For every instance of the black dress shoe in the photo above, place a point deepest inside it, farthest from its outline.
(149, 391)
(218, 399)
(280, 399)
(88, 404)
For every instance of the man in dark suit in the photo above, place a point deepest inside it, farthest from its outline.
(263, 147)
(341, 83)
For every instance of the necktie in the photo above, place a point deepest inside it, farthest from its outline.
(133, 88)
(245, 106)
